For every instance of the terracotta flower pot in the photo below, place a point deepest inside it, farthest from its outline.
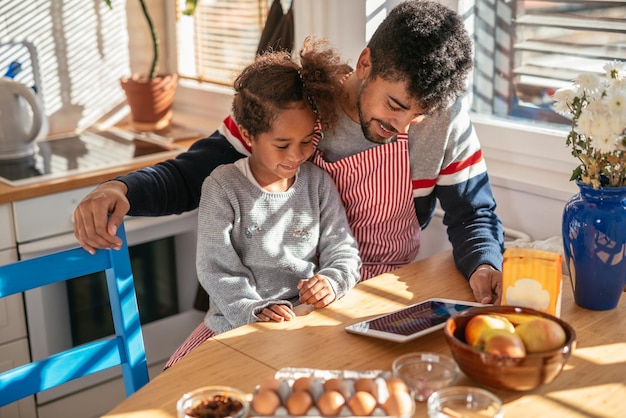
(150, 101)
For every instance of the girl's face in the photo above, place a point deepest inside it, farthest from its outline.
(277, 154)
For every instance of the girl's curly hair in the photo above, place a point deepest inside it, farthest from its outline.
(275, 81)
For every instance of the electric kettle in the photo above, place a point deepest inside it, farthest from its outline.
(22, 118)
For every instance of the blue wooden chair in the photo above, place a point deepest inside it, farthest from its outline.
(125, 348)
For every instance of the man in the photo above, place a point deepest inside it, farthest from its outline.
(404, 139)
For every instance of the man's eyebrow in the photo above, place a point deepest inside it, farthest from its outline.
(405, 107)
(399, 103)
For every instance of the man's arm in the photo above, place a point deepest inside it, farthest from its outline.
(459, 180)
(474, 229)
(174, 186)
(169, 187)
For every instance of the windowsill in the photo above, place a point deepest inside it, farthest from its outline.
(204, 105)
(523, 157)
(526, 157)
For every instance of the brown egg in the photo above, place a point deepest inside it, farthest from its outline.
(366, 385)
(299, 402)
(395, 384)
(399, 403)
(333, 384)
(302, 383)
(330, 403)
(362, 403)
(265, 402)
(270, 382)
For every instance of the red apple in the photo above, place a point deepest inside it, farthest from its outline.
(503, 342)
(476, 325)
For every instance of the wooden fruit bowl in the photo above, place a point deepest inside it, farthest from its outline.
(502, 372)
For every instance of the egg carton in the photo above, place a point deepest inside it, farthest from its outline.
(286, 378)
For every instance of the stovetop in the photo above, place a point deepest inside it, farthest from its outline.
(81, 153)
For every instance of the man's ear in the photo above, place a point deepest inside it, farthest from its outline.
(364, 64)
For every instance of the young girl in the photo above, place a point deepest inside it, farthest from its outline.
(272, 230)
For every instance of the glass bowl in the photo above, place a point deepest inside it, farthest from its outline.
(464, 401)
(232, 402)
(424, 372)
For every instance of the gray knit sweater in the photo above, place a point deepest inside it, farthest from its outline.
(254, 246)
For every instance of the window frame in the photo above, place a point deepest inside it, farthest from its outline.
(520, 156)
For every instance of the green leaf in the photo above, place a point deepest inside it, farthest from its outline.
(190, 7)
(577, 173)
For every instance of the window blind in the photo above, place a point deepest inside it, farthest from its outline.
(219, 39)
(539, 46)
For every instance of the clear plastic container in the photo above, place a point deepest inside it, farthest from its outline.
(425, 372)
(464, 401)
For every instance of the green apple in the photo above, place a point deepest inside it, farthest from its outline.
(541, 334)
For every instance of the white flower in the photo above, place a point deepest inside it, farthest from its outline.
(600, 128)
(563, 100)
(616, 100)
(605, 144)
(584, 122)
(617, 85)
(589, 83)
(597, 107)
(615, 70)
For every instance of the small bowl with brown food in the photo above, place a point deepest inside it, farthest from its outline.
(213, 402)
(509, 347)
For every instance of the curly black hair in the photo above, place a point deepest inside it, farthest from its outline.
(275, 81)
(425, 44)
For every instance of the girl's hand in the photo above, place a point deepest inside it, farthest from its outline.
(276, 313)
(316, 291)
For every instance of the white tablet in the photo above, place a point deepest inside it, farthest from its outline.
(412, 321)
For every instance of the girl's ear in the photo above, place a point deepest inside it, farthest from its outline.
(246, 136)
(364, 64)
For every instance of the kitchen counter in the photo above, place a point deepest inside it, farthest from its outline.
(75, 181)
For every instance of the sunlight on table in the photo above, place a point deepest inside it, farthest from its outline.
(603, 354)
(152, 413)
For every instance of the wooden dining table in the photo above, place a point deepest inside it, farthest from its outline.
(592, 384)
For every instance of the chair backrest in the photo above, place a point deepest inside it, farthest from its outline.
(125, 348)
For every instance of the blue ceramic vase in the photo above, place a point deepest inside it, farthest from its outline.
(594, 241)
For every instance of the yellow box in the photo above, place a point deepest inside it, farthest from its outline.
(532, 278)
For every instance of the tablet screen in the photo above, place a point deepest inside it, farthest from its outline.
(416, 318)
(412, 321)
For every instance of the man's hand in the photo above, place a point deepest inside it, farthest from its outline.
(98, 215)
(316, 291)
(486, 283)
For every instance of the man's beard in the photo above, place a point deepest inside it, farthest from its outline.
(369, 131)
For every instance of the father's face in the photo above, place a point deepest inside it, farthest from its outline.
(385, 109)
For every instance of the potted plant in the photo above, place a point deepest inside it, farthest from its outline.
(150, 95)
(594, 220)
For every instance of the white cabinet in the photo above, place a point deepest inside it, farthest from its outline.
(11, 355)
(13, 342)
(7, 234)
(12, 324)
(47, 215)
